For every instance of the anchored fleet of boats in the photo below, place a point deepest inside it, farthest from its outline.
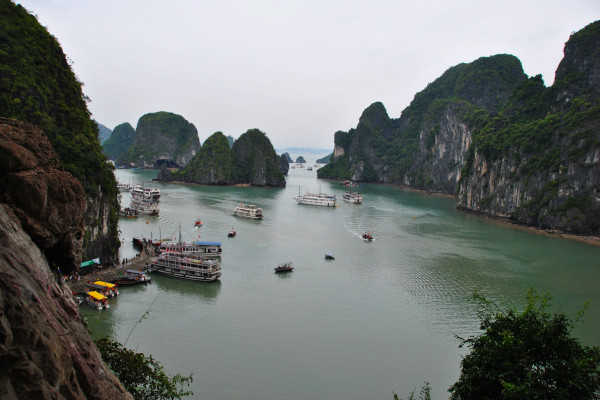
(197, 260)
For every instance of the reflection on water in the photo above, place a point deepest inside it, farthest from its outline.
(186, 289)
(382, 317)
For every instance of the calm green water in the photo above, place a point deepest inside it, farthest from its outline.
(381, 317)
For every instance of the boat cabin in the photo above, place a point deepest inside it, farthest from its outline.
(96, 300)
(111, 286)
(92, 287)
(140, 274)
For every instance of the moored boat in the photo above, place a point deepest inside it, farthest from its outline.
(92, 287)
(285, 267)
(96, 300)
(187, 268)
(140, 274)
(130, 279)
(148, 207)
(317, 199)
(123, 187)
(352, 197)
(248, 211)
(111, 288)
(142, 193)
(198, 249)
(128, 212)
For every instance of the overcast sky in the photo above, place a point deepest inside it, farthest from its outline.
(297, 70)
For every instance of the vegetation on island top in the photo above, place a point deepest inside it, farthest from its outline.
(214, 163)
(160, 133)
(38, 86)
(396, 141)
(251, 160)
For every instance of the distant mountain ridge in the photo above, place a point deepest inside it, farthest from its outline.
(501, 142)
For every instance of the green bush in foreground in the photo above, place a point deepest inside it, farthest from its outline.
(527, 354)
(141, 375)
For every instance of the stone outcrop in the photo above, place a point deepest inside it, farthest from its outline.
(504, 144)
(45, 350)
(162, 137)
(256, 161)
(213, 165)
(48, 201)
(284, 165)
(252, 160)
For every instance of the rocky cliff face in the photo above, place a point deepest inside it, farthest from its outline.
(163, 138)
(213, 165)
(38, 86)
(549, 175)
(48, 201)
(506, 145)
(256, 160)
(284, 165)
(46, 351)
(252, 160)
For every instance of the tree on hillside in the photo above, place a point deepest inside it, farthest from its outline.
(527, 354)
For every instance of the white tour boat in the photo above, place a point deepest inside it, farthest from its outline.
(141, 193)
(248, 211)
(317, 199)
(187, 268)
(148, 207)
(199, 249)
(352, 197)
(123, 187)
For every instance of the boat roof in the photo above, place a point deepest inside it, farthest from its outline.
(203, 243)
(96, 295)
(133, 271)
(105, 284)
(95, 286)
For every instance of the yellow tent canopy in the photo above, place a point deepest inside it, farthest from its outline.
(97, 295)
(105, 284)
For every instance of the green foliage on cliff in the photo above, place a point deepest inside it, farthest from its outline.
(380, 142)
(119, 141)
(256, 160)
(213, 164)
(38, 86)
(160, 134)
(252, 160)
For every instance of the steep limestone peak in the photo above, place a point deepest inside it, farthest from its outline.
(375, 115)
(579, 70)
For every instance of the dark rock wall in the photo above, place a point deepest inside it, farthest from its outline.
(45, 350)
